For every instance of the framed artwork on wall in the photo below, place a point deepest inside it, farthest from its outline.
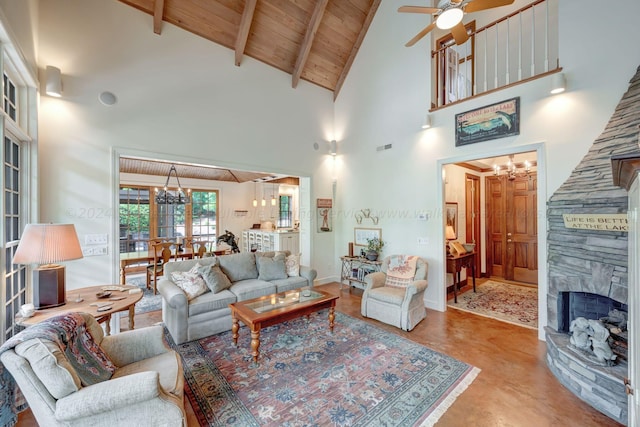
(362, 234)
(451, 215)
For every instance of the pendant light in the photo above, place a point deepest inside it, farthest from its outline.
(273, 197)
(255, 201)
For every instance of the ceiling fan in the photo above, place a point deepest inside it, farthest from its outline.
(448, 15)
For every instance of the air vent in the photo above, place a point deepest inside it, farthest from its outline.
(384, 147)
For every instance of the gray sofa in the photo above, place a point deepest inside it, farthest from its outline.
(209, 313)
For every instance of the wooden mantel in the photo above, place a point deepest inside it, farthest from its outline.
(625, 168)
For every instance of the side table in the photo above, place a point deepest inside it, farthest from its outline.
(359, 266)
(88, 296)
(455, 263)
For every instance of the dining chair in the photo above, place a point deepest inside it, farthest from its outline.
(161, 255)
(199, 249)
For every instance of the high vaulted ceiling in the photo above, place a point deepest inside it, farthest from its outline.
(313, 40)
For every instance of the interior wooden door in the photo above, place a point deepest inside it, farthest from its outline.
(522, 229)
(512, 228)
(472, 215)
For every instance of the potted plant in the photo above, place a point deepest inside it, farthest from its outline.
(374, 246)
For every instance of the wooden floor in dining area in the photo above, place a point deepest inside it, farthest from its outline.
(514, 388)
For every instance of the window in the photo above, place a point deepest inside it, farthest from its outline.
(15, 275)
(134, 218)
(142, 219)
(204, 215)
(10, 98)
(284, 217)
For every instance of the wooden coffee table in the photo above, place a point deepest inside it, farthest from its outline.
(273, 309)
(88, 296)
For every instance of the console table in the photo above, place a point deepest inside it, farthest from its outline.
(359, 266)
(455, 263)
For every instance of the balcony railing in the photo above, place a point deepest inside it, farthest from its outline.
(516, 48)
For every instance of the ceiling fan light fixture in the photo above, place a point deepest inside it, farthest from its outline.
(449, 18)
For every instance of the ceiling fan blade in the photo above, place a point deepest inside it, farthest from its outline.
(459, 33)
(421, 34)
(418, 9)
(478, 5)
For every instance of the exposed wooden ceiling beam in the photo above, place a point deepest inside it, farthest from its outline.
(243, 31)
(356, 47)
(305, 48)
(158, 12)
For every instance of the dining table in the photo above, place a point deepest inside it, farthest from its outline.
(138, 257)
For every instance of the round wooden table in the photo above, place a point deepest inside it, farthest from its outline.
(120, 301)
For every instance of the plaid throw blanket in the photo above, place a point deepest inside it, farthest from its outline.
(70, 333)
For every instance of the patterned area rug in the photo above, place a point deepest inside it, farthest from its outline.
(358, 376)
(502, 301)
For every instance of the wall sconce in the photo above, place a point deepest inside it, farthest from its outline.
(558, 83)
(333, 147)
(53, 81)
(427, 122)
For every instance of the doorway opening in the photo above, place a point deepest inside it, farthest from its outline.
(496, 199)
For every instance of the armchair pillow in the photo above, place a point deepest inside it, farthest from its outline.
(271, 268)
(401, 271)
(51, 366)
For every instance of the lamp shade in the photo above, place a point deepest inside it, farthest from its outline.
(449, 233)
(48, 244)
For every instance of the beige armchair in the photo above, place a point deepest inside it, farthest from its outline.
(145, 390)
(395, 300)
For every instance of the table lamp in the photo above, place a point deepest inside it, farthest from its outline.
(46, 244)
(449, 234)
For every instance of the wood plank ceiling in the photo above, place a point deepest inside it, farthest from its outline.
(141, 166)
(313, 40)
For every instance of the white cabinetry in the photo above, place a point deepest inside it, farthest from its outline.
(265, 241)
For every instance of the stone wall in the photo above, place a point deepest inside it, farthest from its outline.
(585, 260)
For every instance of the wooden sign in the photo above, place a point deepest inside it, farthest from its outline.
(490, 122)
(596, 222)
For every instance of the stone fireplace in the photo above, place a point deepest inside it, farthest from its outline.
(588, 268)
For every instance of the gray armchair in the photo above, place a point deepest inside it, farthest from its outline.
(402, 307)
(145, 390)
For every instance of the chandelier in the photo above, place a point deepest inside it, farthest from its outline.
(172, 197)
(511, 169)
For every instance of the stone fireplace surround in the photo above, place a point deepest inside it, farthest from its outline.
(588, 261)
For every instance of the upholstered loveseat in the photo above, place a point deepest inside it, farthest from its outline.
(245, 276)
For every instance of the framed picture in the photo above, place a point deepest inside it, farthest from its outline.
(451, 215)
(324, 215)
(362, 234)
(490, 122)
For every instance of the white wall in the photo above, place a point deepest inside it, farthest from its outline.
(180, 97)
(386, 97)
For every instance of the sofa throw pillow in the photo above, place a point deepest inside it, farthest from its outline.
(292, 263)
(271, 268)
(215, 279)
(50, 366)
(240, 266)
(401, 270)
(191, 282)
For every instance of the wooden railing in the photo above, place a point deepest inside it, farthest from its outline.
(514, 49)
